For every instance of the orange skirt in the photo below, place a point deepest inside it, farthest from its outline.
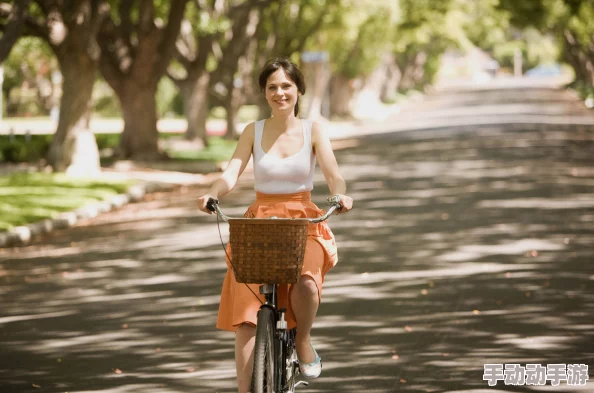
(238, 305)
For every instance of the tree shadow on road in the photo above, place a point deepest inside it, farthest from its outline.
(461, 251)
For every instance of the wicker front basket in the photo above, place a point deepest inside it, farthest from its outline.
(267, 251)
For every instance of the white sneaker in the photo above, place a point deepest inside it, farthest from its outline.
(311, 370)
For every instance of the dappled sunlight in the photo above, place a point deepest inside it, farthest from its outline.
(576, 201)
(140, 292)
(462, 251)
(476, 251)
(444, 277)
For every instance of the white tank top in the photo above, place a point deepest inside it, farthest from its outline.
(275, 175)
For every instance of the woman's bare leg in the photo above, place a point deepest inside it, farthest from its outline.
(245, 338)
(305, 302)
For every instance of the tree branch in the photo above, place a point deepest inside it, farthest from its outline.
(167, 45)
(35, 29)
(126, 25)
(13, 28)
(109, 62)
(312, 29)
(146, 17)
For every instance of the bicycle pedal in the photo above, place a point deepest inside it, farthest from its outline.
(304, 383)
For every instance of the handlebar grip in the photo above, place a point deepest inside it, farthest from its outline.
(210, 204)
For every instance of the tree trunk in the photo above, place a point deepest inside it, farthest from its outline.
(412, 71)
(133, 67)
(140, 138)
(263, 107)
(393, 76)
(78, 71)
(231, 105)
(576, 58)
(317, 79)
(196, 92)
(341, 95)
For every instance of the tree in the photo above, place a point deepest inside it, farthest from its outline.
(421, 39)
(213, 39)
(70, 28)
(570, 20)
(136, 49)
(245, 22)
(357, 39)
(285, 30)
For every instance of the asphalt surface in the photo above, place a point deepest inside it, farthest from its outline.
(464, 249)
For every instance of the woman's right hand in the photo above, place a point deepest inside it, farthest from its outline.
(202, 202)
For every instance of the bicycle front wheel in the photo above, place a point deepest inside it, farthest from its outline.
(263, 377)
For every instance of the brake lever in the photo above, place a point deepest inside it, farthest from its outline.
(335, 200)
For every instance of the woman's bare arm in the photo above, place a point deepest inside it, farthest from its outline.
(329, 166)
(235, 168)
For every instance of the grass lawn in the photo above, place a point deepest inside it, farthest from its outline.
(218, 149)
(27, 198)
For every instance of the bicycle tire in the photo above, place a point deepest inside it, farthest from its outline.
(263, 377)
(291, 370)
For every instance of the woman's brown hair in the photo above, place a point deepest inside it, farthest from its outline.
(290, 69)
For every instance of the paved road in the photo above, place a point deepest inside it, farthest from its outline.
(465, 248)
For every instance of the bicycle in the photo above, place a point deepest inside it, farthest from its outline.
(276, 366)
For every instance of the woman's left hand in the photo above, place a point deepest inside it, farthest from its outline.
(346, 202)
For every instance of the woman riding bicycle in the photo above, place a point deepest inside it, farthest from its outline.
(285, 150)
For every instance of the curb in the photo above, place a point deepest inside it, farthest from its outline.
(22, 235)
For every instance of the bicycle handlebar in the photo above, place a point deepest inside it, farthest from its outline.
(213, 206)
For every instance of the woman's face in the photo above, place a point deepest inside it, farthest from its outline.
(281, 91)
